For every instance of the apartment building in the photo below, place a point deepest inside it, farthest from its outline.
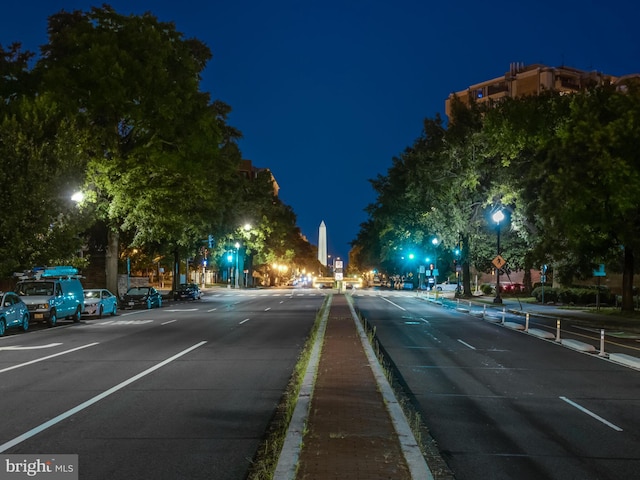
(247, 170)
(523, 80)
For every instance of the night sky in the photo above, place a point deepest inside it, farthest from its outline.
(327, 92)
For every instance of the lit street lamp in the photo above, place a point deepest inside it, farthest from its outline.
(237, 255)
(498, 217)
(229, 260)
(435, 242)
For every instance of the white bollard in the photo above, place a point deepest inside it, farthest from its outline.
(602, 354)
(526, 323)
(558, 330)
(503, 314)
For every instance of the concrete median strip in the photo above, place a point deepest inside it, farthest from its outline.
(289, 458)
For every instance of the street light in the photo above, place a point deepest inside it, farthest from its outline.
(456, 262)
(247, 264)
(78, 197)
(435, 243)
(237, 252)
(498, 217)
(229, 260)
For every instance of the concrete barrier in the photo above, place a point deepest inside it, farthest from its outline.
(541, 333)
(625, 359)
(514, 325)
(578, 345)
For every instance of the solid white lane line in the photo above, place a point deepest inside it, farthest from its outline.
(467, 345)
(168, 322)
(267, 309)
(47, 357)
(394, 304)
(243, 321)
(591, 414)
(212, 310)
(97, 398)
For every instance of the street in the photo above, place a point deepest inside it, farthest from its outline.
(185, 391)
(509, 404)
(188, 390)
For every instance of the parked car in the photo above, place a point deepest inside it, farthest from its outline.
(51, 293)
(447, 287)
(187, 291)
(13, 312)
(147, 297)
(511, 287)
(98, 301)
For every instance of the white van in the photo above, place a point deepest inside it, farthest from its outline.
(51, 293)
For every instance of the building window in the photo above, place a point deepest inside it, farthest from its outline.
(496, 88)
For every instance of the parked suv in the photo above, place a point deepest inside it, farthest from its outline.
(52, 293)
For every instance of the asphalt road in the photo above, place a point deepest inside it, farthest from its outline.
(502, 404)
(185, 391)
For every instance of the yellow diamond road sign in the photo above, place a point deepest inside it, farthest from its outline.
(498, 262)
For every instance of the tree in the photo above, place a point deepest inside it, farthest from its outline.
(273, 236)
(133, 81)
(592, 188)
(518, 132)
(40, 224)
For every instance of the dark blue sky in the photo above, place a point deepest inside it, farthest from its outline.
(327, 92)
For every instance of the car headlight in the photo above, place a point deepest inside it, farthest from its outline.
(44, 306)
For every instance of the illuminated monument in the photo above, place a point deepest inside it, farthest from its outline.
(322, 244)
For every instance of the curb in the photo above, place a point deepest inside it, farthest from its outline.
(287, 466)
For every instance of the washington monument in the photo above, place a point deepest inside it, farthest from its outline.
(322, 244)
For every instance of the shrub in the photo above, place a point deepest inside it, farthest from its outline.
(486, 288)
(573, 295)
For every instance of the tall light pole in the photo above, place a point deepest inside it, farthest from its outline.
(498, 217)
(247, 258)
(435, 242)
(229, 260)
(237, 245)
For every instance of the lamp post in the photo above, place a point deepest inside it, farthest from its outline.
(435, 242)
(229, 260)
(498, 217)
(248, 257)
(237, 245)
(457, 266)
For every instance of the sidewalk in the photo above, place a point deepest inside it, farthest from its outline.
(355, 429)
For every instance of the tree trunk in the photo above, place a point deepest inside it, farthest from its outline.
(526, 280)
(111, 261)
(627, 280)
(176, 270)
